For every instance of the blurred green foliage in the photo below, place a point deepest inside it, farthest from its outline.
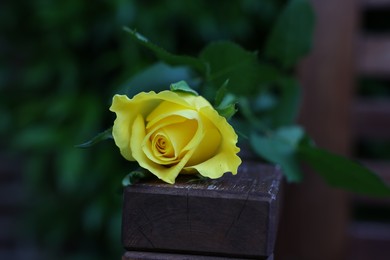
(227, 72)
(61, 63)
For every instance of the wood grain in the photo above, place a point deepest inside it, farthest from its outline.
(233, 216)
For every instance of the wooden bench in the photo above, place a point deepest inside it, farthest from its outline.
(231, 217)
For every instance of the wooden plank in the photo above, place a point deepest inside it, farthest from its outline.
(12, 197)
(233, 216)
(370, 230)
(315, 216)
(375, 3)
(20, 252)
(371, 119)
(369, 241)
(374, 55)
(166, 256)
(7, 227)
(382, 168)
(10, 169)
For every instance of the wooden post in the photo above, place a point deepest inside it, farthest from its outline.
(315, 216)
(234, 216)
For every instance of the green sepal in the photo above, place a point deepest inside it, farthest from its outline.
(182, 86)
(225, 102)
(228, 111)
(135, 176)
(198, 178)
(227, 108)
(107, 134)
(221, 93)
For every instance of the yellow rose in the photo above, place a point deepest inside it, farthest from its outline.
(169, 133)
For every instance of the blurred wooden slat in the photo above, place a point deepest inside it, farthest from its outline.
(21, 253)
(369, 241)
(370, 230)
(371, 118)
(10, 169)
(327, 77)
(12, 198)
(7, 235)
(371, 121)
(382, 168)
(374, 55)
(134, 255)
(375, 3)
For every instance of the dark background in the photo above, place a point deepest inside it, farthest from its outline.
(60, 64)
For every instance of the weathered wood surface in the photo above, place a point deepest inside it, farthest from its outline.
(233, 216)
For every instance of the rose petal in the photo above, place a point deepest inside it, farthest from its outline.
(131, 136)
(181, 134)
(160, 115)
(167, 174)
(207, 147)
(163, 109)
(162, 147)
(178, 135)
(126, 110)
(225, 158)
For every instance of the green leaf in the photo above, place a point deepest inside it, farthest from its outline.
(250, 117)
(341, 172)
(265, 102)
(229, 61)
(243, 129)
(37, 137)
(221, 93)
(281, 148)
(107, 134)
(70, 167)
(155, 77)
(135, 176)
(268, 73)
(291, 36)
(182, 86)
(169, 58)
(287, 107)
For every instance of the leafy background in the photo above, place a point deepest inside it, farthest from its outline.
(63, 60)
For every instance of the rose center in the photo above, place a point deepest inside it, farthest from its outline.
(165, 143)
(161, 145)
